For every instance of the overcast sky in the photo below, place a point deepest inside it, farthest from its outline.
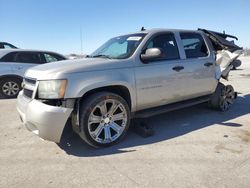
(55, 24)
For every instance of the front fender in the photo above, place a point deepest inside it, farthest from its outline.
(81, 83)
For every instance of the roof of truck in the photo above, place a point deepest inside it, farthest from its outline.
(156, 30)
(165, 29)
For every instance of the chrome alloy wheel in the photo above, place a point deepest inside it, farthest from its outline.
(227, 98)
(10, 88)
(107, 121)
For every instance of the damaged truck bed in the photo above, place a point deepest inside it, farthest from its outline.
(226, 52)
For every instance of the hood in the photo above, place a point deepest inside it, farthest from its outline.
(56, 69)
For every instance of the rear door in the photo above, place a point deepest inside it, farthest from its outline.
(199, 65)
(26, 60)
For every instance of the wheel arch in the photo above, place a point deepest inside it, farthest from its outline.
(120, 90)
(11, 76)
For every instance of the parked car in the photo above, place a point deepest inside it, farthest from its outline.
(134, 75)
(14, 63)
(5, 45)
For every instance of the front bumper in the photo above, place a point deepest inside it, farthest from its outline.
(44, 120)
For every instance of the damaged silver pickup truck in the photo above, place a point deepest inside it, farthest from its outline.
(131, 76)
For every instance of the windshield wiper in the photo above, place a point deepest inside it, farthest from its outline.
(101, 55)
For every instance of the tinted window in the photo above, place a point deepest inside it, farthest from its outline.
(29, 57)
(6, 46)
(10, 57)
(194, 45)
(49, 57)
(167, 43)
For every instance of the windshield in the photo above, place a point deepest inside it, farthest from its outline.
(120, 47)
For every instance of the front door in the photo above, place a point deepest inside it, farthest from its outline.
(159, 82)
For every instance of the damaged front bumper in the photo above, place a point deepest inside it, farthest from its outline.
(44, 120)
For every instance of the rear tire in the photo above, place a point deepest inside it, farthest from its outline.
(104, 119)
(10, 87)
(236, 63)
(223, 97)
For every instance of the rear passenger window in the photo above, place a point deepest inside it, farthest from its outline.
(194, 45)
(52, 57)
(29, 57)
(167, 43)
(6, 46)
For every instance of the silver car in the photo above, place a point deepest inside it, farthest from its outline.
(135, 75)
(15, 62)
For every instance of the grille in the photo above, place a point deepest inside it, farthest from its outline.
(30, 81)
(29, 87)
(27, 92)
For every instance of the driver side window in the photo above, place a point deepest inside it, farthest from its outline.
(167, 44)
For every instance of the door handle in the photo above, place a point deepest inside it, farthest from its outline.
(208, 64)
(178, 68)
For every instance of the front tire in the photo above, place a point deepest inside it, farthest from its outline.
(104, 119)
(10, 87)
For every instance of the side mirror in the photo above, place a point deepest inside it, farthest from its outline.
(151, 54)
